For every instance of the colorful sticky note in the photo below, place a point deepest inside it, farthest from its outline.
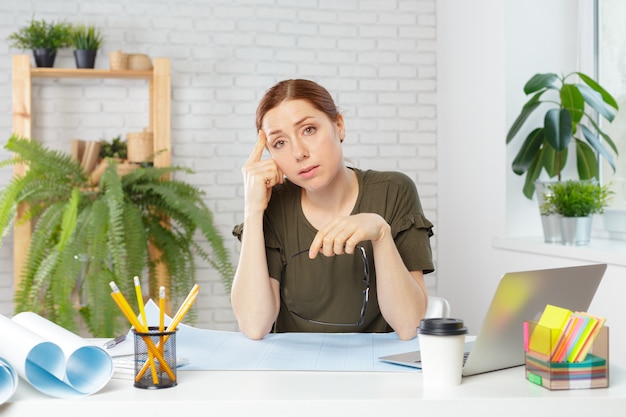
(554, 319)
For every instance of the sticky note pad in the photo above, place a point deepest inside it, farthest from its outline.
(552, 322)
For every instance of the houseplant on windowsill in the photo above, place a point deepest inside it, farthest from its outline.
(568, 121)
(576, 202)
(43, 38)
(102, 234)
(86, 40)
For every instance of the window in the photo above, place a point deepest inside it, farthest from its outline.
(611, 70)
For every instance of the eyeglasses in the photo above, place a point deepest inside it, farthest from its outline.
(366, 291)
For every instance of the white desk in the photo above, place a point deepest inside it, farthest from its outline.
(322, 394)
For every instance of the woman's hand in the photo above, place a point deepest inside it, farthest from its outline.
(259, 176)
(344, 233)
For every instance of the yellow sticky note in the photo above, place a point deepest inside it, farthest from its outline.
(552, 322)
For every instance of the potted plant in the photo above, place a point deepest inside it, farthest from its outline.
(86, 39)
(567, 117)
(567, 108)
(85, 236)
(43, 38)
(576, 202)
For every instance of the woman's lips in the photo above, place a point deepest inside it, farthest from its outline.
(308, 171)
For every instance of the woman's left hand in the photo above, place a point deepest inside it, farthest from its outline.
(344, 233)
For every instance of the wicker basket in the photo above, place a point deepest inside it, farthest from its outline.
(118, 60)
(126, 168)
(139, 62)
(139, 146)
(123, 167)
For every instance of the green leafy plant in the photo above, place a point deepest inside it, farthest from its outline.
(116, 148)
(86, 37)
(567, 118)
(576, 198)
(85, 237)
(39, 34)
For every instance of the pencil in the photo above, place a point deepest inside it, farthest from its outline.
(128, 312)
(182, 311)
(161, 317)
(142, 312)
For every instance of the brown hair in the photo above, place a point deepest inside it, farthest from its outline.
(297, 89)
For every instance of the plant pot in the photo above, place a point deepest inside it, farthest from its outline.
(44, 58)
(576, 231)
(550, 222)
(85, 58)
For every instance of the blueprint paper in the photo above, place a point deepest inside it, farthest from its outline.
(8, 381)
(223, 350)
(52, 359)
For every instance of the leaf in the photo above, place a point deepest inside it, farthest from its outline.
(606, 97)
(604, 136)
(527, 110)
(540, 81)
(531, 177)
(572, 100)
(554, 161)
(595, 143)
(528, 151)
(558, 128)
(586, 161)
(68, 224)
(594, 99)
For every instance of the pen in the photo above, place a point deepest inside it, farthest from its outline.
(114, 342)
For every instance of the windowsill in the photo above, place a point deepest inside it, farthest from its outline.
(599, 250)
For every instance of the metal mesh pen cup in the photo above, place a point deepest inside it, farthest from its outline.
(155, 359)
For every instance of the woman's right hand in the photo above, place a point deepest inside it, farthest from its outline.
(259, 176)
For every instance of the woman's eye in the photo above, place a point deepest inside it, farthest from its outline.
(309, 130)
(278, 144)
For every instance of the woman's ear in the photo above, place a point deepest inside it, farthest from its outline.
(341, 129)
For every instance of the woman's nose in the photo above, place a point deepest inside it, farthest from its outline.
(300, 150)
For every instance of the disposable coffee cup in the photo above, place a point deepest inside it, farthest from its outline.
(442, 345)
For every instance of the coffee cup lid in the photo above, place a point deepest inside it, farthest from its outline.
(442, 327)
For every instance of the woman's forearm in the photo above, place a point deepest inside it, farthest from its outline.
(253, 295)
(402, 295)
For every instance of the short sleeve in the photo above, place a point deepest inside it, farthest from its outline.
(394, 195)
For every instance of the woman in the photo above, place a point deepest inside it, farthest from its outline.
(325, 247)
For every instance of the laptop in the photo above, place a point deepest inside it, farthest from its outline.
(520, 296)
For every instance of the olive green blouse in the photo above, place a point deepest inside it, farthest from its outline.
(331, 290)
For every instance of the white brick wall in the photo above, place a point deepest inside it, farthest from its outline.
(377, 58)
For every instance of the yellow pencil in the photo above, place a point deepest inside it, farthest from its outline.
(180, 314)
(161, 316)
(161, 308)
(142, 312)
(184, 308)
(128, 312)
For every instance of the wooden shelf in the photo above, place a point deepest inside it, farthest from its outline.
(159, 121)
(89, 73)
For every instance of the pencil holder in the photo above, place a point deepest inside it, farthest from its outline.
(590, 369)
(155, 359)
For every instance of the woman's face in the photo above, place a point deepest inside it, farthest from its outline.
(304, 143)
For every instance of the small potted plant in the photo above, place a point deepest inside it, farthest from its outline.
(87, 40)
(43, 38)
(576, 202)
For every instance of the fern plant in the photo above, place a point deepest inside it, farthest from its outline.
(103, 234)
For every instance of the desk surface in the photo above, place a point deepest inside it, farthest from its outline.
(321, 394)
